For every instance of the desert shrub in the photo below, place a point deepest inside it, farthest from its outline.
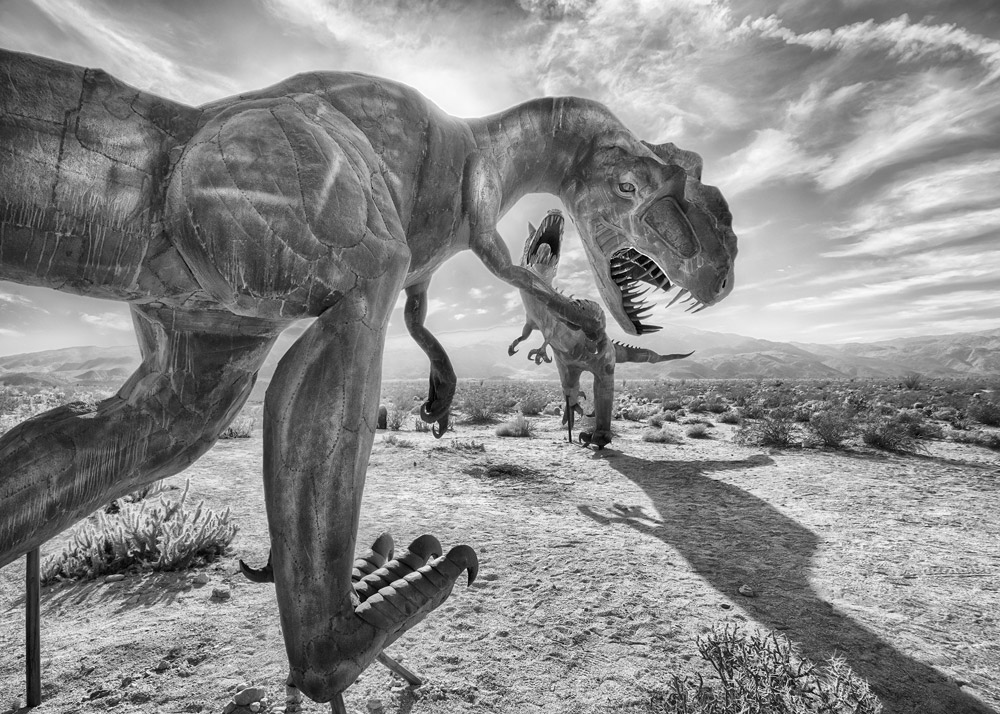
(638, 412)
(480, 406)
(473, 445)
(716, 407)
(165, 535)
(533, 402)
(773, 431)
(916, 424)
(730, 417)
(977, 438)
(393, 440)
(519, 426)
(697, 406)
(656, 421)
(754, 410)
(802, 414)
(240, 428)
(668, 415)
(912, 381)
(984, 412)
(697, 431)
(671, 405)
(394, 417)
(420, 426)
(660, 436)
(764, 674)
(833, 426)
(888, 434)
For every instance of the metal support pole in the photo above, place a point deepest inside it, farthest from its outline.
(337, 706)
(33, 628)
(399, 669)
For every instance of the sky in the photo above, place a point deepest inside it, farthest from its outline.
(857, 141)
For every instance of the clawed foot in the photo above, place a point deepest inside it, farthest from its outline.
(598, 439)
(539, 355)
(440, 394)
(396, 593)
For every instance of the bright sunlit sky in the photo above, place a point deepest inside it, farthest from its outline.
(858, 141)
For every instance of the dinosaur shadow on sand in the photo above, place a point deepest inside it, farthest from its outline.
(731, 537)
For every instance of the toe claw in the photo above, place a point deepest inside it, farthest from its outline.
(258, 575)
(426, 546)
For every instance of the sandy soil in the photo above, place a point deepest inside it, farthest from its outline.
(598, 571)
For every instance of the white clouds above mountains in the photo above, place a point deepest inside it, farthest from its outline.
(859, 143)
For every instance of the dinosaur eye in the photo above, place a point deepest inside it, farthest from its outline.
(625, 188)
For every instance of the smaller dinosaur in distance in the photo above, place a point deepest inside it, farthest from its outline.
(574, 352)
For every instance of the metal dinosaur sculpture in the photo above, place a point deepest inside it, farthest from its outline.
(573, 351)
(321, 196)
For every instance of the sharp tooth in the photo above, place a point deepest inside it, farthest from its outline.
(699, 309)
(694, 305)
(677, 297)
(647, 329)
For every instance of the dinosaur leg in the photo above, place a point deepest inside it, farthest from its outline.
(526, 331)
(58, 467)
(442, 380)
(319, 426)
(604, 399)
(569, 378)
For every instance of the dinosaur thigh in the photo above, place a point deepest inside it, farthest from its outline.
(278, 206)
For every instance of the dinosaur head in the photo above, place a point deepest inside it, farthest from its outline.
(544, 245)
(645, 217)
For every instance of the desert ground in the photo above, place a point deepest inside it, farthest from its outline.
(598, 571)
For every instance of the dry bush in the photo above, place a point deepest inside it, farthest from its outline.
(481, 406)
(729, 417)
(977, 438)
(393, 440)
(660, 436)
(833, 426)
(698, 431)
(395, 416)
(775, 431)
(240, 428)
(420, 426)
(166, 535)
(887, 434)
(984, 412)
(764, 674)
(519, 426)
(913, 381)
(533, 402)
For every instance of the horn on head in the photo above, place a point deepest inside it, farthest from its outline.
(690, 161)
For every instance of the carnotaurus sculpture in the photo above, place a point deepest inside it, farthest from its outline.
(573, 351)
(322, 196)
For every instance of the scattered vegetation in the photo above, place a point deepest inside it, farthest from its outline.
(395, 416)
(393, 440)
(240, 428)
(764, 674)
(660, 436)
(987, 413)
(773, 431)
(519, 426)
(832, 427)
(698, 431)
(888, 434)
(420, 426)
(161, 535)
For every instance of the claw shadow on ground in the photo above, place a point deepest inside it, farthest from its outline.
(731, 537)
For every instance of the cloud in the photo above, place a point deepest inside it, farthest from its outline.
(773, 155)
(108, 321)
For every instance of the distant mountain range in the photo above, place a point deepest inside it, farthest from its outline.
(483, 354)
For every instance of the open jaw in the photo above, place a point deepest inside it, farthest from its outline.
(544, 248)
(631, 268)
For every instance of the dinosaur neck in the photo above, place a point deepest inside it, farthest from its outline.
(534, 145)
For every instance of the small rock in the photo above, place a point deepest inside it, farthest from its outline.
(162, 665)
(747, 591)
(255, 707)
(201, 579)
(374, 705)
(248, 696)
(222, 593)
(229, 708)
(114, 578)
(242, 685)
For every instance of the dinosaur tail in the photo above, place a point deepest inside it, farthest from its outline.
(628, 353)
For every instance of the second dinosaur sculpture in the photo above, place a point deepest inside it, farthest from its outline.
(573, 350)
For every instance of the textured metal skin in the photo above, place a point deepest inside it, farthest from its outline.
(322, 196)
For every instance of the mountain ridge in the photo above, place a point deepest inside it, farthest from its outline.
(483, 354)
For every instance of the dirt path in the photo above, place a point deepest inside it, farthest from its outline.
(597, 572)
